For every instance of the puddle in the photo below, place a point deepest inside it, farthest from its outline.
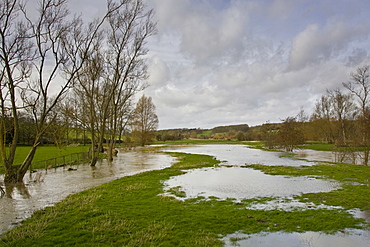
(21, 201)
(329, 156)
(245, 183)
(346, 238)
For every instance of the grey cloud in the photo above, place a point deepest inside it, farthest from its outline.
(316, 44)
(158, 71)
(249, 61)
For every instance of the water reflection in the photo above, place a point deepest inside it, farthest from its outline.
(45, 188)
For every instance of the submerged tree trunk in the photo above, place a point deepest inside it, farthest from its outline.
(15, 173)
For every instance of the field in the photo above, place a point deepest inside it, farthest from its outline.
(44, 153)
(132, 211)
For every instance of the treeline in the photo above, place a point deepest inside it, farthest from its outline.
(220, 132)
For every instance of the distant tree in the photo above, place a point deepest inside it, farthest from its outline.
(268, 133)
(144, 121)
(322, 119)
(290, 135)
(344, 112)
(240, 136)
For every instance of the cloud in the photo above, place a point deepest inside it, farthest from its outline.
(228, 62)
(316, 44)
(206, 31)
(158, 70)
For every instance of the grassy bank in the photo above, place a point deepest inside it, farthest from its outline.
(44, 153)
(132, 212)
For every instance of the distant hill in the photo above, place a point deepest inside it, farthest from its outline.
(220, 132)
(230, 128)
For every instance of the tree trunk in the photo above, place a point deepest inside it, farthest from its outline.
(15, 173)
(366, 157)
(93, 160)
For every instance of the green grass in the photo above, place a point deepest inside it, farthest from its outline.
(132, 212)
(44, 153)
(319, 146)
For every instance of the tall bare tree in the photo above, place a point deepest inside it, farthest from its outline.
(16, 56)
(116, 71)
(344, 113)
(359, 86)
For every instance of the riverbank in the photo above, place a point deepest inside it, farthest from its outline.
(132, 211)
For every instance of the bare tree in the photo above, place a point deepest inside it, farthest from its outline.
(116, 71)
(126, 64)
(344, 113)
(16, 56)
(359, 86)
(323, 118)
(144, 121)
(88, 91)
(55, 46)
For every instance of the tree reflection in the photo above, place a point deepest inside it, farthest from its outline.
(14, 189)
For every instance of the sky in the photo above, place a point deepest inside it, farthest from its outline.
(224, 62)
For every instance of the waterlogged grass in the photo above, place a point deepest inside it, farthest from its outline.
(355, 190)
(133, 211)
(44, 153)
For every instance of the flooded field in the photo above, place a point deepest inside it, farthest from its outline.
(245, 183)
(235, 181)
(55, 184)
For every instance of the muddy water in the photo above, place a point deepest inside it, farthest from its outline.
(55, 184)
(237, 182)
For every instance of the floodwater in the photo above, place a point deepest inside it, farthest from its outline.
(245, 183)
(231, 181)
(347, 238)
(237, 155)
(54, 185)
(235, 181)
